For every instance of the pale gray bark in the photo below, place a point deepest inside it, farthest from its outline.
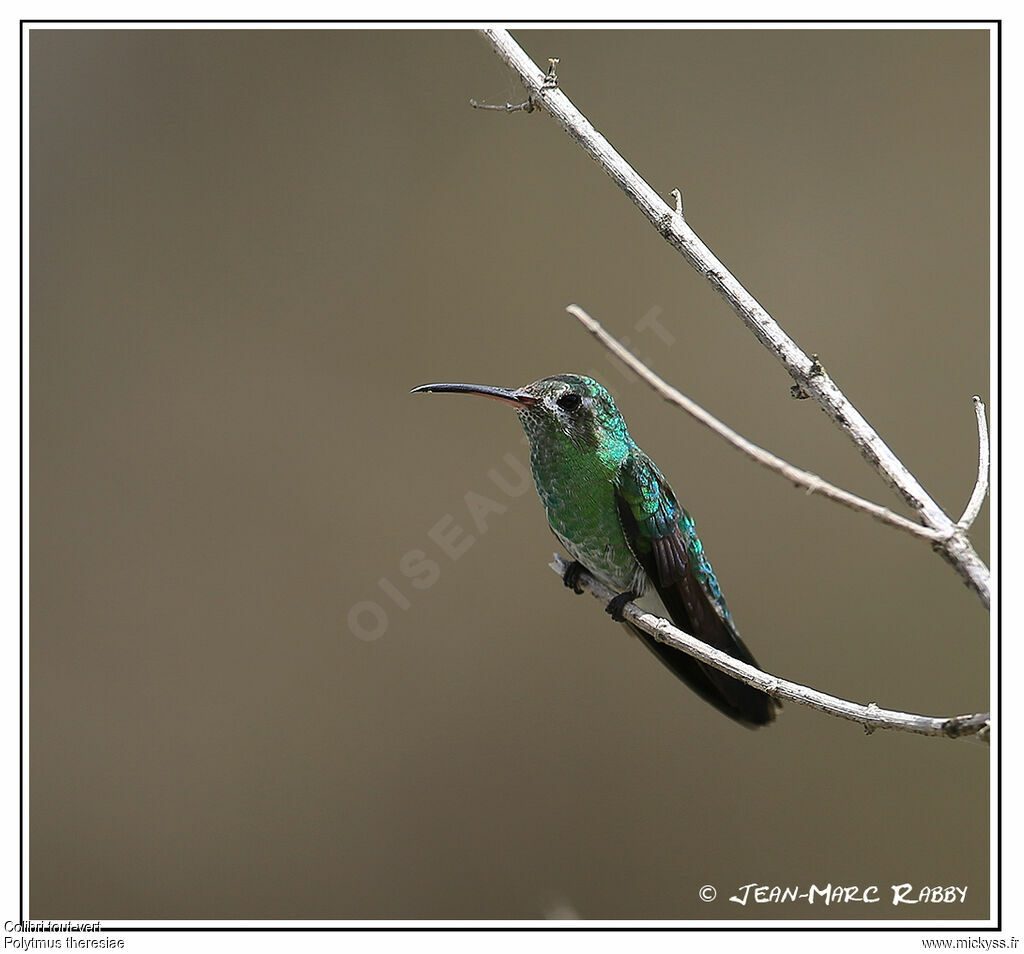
(950, 539)
(871, 716)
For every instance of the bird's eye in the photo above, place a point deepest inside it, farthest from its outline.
(569, 402)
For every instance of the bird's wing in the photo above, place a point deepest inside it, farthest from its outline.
(663, 539)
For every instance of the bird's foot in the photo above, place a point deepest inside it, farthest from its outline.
(618, 603)
(571, 576)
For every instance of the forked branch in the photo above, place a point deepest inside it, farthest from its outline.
(951, 539)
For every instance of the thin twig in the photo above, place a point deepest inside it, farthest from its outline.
(871, 716)
(802, 478)
(808, 375)
(550, 82)
(981, 487)
(528, 107)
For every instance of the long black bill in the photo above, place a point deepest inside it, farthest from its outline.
(515, 398)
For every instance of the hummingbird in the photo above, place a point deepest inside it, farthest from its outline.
(616, 515)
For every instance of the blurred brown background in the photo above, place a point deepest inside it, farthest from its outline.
(246, 247)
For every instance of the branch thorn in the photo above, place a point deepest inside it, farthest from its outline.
(551, 77)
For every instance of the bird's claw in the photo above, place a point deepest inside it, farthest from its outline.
(617, 604)
(571, 576)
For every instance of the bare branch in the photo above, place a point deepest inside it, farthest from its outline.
(809, 376)
(871, 716)
(981, 486)
(802, 478)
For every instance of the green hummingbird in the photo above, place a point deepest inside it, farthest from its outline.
(613, 511)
